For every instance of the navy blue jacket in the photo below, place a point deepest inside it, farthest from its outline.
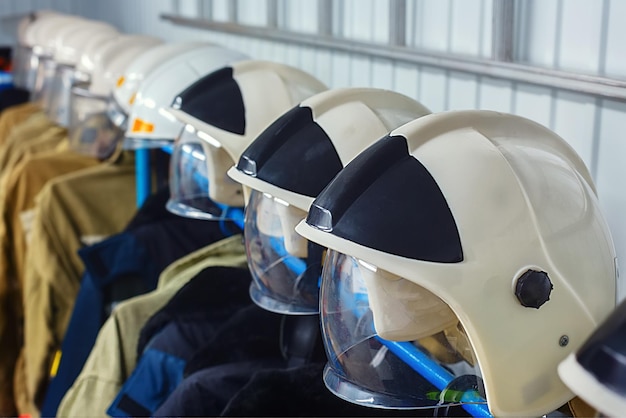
(247, 343)
(194, 317)
(252, 342)
(13, 96)
(123, 266)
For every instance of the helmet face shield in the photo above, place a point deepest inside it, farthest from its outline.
(46, 69)
(117, 114)
(84, 103)
(95, 135)
(58, 95)
(189, 179)
(366, 369)
(25, 67)
(285, 267)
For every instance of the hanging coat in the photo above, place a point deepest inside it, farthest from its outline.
(14, 116)
(125, 265)
(246, 343)
(169, 339)
(29, 132)
(300, 392)
(114, 355)
(13, 96)
(35, 135)
(72, 211)
(16, 207)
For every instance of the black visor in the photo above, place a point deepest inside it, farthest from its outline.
(215, 99)
(293, 153)
(387, 200)
(604, 353)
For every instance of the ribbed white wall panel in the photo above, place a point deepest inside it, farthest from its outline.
(252, 12)
(495, 94)
(220, 10)
(534, 103)
(341, 69)
(610, 176)
(299, 16)
(578, 35)
(324, 66)
(574, 119)
(539, 32)
(580, 38)
(462, 91)
(406, 80)
(428, 24)
(364, 20)
(382, 74)
(456, 26)
(470, 27)
(188, 8)
(615, 48)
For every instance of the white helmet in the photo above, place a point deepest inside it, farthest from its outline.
(149, 126)
(39, 39)
(127, 84)
(22, 26)
(474, 231)
(47, 35)
(41, 35)
(70, 44)
(21, 60)
(223, 113)
(289, 164)
(114, 59)
(71, 41)
(91, 132)
(596, 372)
(92, 53)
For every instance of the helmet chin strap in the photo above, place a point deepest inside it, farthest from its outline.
(300, 335)
(300, 339)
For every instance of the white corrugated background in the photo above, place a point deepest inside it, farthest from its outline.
(574, 35)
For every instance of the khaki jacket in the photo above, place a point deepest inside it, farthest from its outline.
(71, 211)
(17, 148)
(17, 208)
(114, 355)
(14, 116)
(24, 133)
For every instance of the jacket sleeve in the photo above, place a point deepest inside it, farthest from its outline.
(112, 358)
(50, 287)
(10, 306)
(114, 355)
(92, 391)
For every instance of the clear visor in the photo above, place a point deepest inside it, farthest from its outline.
(25, 66)
(117, 114)
(286, 268)
(96, 136)
(45, 71)
(58, 95)
(189, 179)
(437, 369)
(84, 103)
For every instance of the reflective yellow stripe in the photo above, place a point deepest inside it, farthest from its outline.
(54, 368)
(120, 81)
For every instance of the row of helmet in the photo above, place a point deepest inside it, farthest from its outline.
(455, 259)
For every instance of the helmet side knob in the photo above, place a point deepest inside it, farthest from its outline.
(533, 288)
